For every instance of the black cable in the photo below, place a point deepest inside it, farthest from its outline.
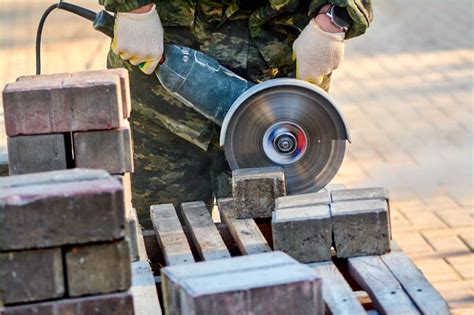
(85, 13)
(40, 32)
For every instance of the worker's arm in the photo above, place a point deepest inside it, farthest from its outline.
(138, 33)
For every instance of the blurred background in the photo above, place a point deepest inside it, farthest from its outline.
(406, 89)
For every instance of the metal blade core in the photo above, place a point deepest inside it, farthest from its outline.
(292, 127)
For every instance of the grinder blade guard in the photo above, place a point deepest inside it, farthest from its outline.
(290, 123)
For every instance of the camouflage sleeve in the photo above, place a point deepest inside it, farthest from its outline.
(275, 52)
(123, 5)
(359, 10)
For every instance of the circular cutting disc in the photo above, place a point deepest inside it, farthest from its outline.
(291, 126)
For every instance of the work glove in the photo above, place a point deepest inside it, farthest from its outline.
(317, 53)
(138, 37)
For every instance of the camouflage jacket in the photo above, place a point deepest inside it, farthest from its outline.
(252, 38)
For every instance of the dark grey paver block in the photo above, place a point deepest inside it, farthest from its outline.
(107, 304)
(312, 199)
(304, 233)
(29, 276)
(54, 177)
(110, 150)
(33, 154)
(62, 103)
(61, 213)
(269, 283)
(255, 191)
(360, 228)
(99, 268)
(359, 194)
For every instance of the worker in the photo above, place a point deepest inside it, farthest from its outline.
(177, 153)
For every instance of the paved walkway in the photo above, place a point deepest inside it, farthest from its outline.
(406, 89)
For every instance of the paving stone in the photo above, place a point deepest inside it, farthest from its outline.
(57, 214)
(145, 295)
(463, 264)
(58, 105)
(359, 194)
(269, 283)
(109, 149)
(126, 181)
(33, 154)
(29, 276)
(312, 199)
(304, 233)
(107, 304)
(98, 268)
(360, 228)
(437, 269)
(255, 191)
(132, 232)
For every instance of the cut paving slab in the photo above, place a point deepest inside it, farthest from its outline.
(63, 104)
(269, 283)
(106, 304)
(304, 233)
(360, 228)
(359, 194)
(144, 292)
(30, 276)
(255, 190)
(59, 213)
(110, 150)
(34, 154)
(312, 199)
(98, 268)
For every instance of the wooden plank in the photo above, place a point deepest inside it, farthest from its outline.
(203, 231)
(337, 294)
(170, 235)
(145, 297)
(245, 232)
(428, 300)
(384, 289)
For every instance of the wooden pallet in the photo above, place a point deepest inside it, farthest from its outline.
(388, 284)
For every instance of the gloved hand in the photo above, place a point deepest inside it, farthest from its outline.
(317, 53)
(138, 37)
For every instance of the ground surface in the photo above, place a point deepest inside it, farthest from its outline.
(406, 89)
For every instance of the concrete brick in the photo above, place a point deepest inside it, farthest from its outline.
(124, 85)
(110, 150)
(359, 194)
(132, 233)
(29, 276)
(108, 304)
(269, 283)
(33, 154)
(255, 191)
(360, 228)
(62, 104)
(61, 213)
(98, 268)
(304, 233)
(126, 181)
(54, 177)
(295, 201)
(120, 72)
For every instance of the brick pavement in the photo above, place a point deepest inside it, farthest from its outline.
(406, 91)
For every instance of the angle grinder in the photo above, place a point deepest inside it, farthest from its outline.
(281, 122)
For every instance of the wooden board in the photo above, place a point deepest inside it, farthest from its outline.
(428, 300)
(385, 291)
(170, 235)
(337, 294)
(246, 233)
(203, 231)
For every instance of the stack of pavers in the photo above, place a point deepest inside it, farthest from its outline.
(69, 120)
(62, 244)
(355, 221)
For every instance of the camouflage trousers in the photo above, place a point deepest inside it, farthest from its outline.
(176, 150)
